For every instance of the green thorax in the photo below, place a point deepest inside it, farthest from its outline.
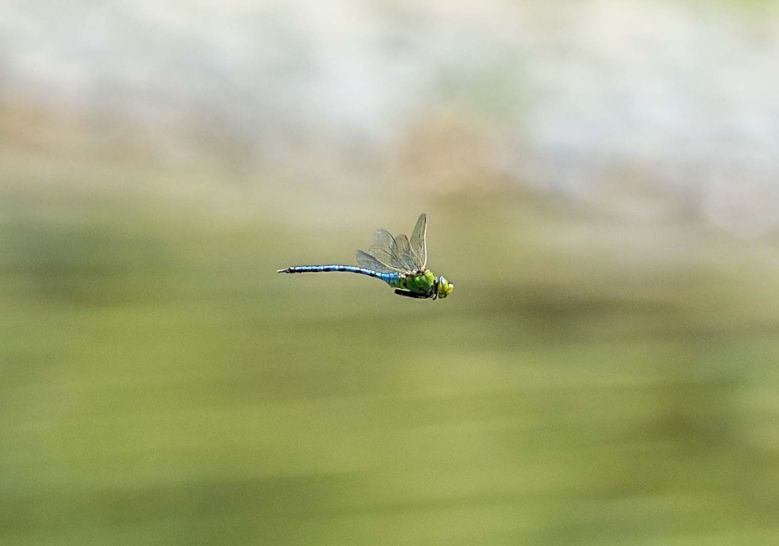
(422, 283)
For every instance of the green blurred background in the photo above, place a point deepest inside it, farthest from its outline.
(602, 187)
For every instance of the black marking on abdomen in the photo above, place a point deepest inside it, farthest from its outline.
(327, 269)
(390, 278)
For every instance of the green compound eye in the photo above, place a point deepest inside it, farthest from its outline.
(444, 287)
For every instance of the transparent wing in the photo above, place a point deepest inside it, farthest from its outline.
(418, 240)
(369, 262)
(406, 254)
(384, 248)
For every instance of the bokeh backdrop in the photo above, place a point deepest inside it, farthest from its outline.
(602, 184)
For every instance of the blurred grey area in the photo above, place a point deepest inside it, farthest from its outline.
(602, 185)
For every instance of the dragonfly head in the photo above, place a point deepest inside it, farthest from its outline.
(443, 287)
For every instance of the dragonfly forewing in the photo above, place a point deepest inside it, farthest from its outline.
(407, 255)
(384, 248)
(419, 239)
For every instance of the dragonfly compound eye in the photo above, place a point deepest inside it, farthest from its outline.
(444, 287)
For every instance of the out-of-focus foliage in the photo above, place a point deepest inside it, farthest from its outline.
(601, 185)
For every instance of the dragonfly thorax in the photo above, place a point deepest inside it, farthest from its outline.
(425, 284)
(421, 283)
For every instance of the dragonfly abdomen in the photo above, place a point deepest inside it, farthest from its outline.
(393, 279)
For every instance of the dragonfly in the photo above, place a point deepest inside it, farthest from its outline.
(399, 261)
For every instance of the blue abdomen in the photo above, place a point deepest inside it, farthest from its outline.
(393, 279)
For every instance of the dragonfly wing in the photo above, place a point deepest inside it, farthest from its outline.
(406, 254)
(369, 262)
(384, 248)
(419, 240)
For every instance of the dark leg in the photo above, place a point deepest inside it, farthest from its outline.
(410, 294)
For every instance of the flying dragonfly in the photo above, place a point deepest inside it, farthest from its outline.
(399, 261)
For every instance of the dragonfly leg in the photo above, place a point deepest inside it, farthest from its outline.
(410, 294)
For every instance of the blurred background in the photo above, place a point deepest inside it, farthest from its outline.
(602, 185)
